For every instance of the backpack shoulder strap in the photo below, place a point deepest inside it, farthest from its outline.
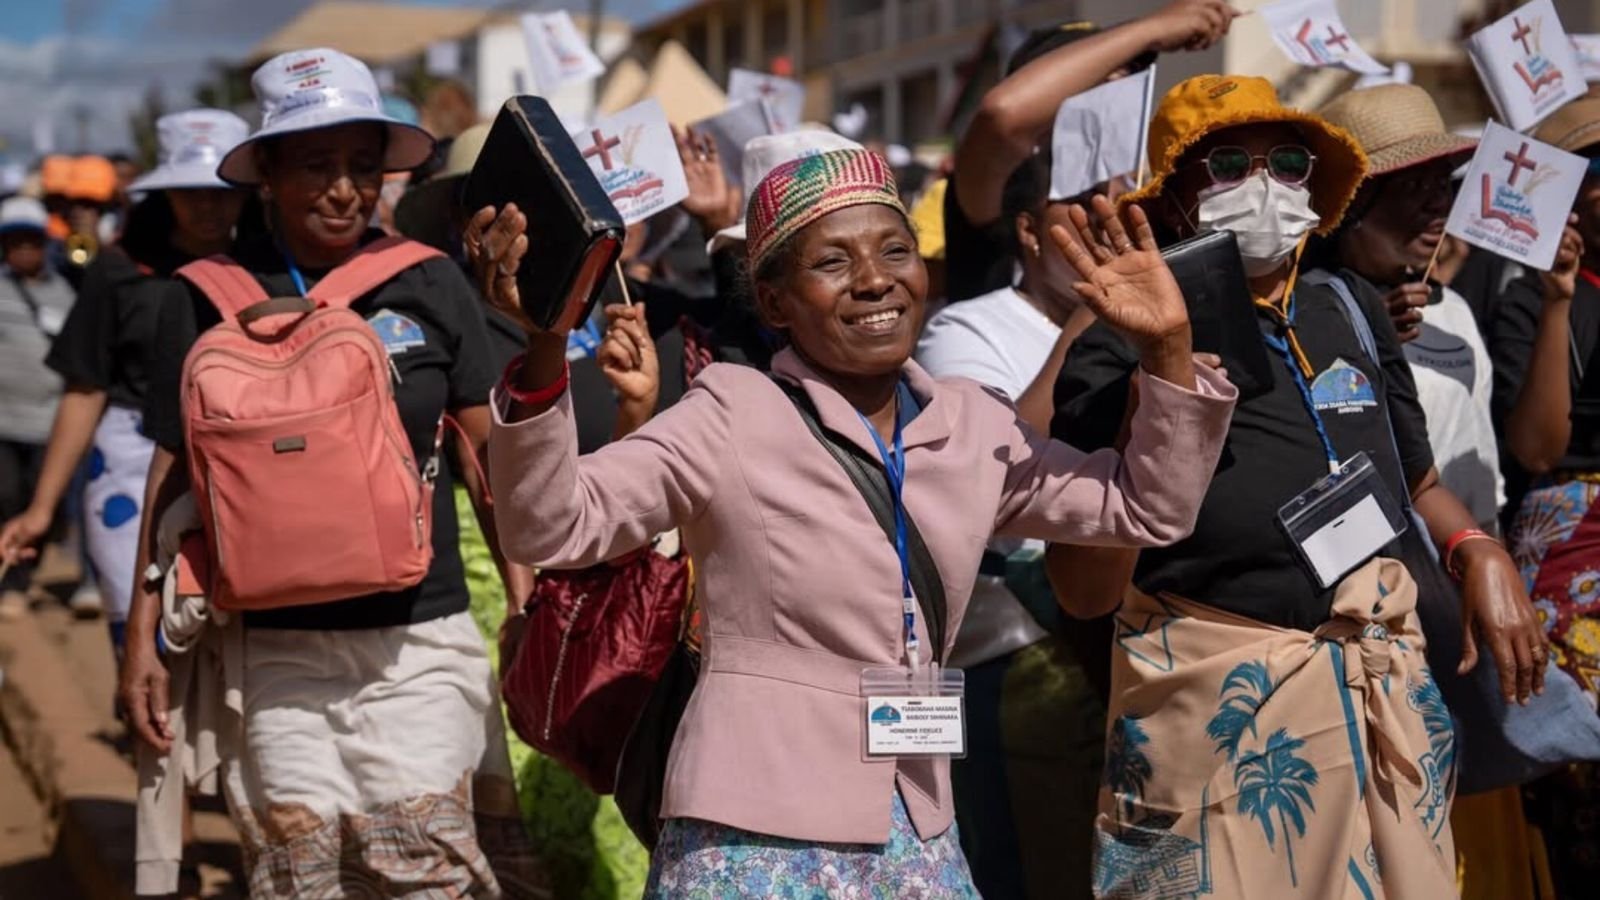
(1352, 311)
(370, 267)
(870, 480)
(228, 285)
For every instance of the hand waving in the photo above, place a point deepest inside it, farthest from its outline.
(708, 201)
(1125, 280)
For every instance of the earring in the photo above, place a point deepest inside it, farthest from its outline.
(1035, 248)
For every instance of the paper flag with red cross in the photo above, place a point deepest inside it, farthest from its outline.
(1311, 33)
(1527, 64)
(557, 53)
(635, 158)
(1516, 197)
(785, 98)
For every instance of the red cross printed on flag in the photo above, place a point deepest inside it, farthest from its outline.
(602, 148)
(1521, 34)
(766, 89)
(1519, 161)
(1335, 39)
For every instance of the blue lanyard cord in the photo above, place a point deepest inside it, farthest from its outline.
(294, 273)
(894, 467)
(1280, 344)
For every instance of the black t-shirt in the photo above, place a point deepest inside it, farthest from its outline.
(1238, 559)
(1513, 329)
(978, 259)
(108, 337)
(432, 324)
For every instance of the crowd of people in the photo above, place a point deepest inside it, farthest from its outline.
(884, 443)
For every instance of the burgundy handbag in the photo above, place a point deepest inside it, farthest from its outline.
(594, 644)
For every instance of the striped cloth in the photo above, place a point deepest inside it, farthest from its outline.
(804, 190)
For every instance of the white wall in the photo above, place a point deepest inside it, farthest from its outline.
(502, 60)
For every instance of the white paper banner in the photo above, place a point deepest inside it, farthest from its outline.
(1099, 135)
(1311, 33)
(1587, 48)
(1527, 65)
(1516, 197)
(785, 99)
(443, 59)
(557, 53)
(636, 160)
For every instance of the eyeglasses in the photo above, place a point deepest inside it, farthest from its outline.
(1228, 166)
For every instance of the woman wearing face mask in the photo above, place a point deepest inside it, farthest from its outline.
(803, 594)
(1275, 730)
(104, 350)
(372, 750)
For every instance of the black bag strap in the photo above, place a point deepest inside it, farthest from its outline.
(869, 478)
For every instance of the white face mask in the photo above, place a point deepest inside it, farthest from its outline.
(1268, 217)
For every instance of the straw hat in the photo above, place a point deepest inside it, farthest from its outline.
(426, 211)
(192, 143)
(1398, 126)
(1208, 103)
(1575, 126)
(305, 90)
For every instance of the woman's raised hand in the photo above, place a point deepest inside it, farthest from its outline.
(495, 244)
(627, 358)
(1128, 285)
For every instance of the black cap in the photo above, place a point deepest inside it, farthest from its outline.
(1043, 40)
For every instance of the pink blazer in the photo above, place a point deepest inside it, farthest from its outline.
(799, 585)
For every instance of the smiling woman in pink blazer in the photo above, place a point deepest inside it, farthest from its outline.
(767, 789)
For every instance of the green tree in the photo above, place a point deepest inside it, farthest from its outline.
(1276, 781)
(142, 127)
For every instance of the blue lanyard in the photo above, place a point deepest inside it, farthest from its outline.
(294, 273)
(894, 466)
(1281, 344)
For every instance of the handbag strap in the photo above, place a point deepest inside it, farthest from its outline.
(868, 477)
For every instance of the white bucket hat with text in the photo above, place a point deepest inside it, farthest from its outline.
(193, 143)
(769, 151)
(305, 90)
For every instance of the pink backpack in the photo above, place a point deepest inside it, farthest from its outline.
(305, 480)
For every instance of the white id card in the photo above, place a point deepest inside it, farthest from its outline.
(1343, 520)
(914, 714)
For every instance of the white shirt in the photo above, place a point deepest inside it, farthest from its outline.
(1454, 378)
(1001, 340)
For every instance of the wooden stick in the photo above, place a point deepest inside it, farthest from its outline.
(5, 568)
(622, 281)
(1435, 258)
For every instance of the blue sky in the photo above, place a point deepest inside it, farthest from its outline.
(62, 56)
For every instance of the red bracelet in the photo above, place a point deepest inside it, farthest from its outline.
(1455, 542)
(533, 398)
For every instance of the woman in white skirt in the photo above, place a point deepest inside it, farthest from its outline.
(102, 352)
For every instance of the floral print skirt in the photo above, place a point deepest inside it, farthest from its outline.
(698, 860)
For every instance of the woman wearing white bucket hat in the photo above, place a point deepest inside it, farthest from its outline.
(102, 351)
(372, 748)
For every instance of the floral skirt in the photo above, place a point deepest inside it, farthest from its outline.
(698, 860)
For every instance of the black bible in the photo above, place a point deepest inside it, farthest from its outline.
(574, 232)
(1222, 315)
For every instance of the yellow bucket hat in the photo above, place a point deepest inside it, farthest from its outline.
(1207, 103)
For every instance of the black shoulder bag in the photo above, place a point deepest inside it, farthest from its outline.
(642, 768)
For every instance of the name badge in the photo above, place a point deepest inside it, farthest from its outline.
(1342, 521)
(919, 713)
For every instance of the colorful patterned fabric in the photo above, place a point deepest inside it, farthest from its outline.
(1246, 760)
(582, 841)
(804, 190)
(698, 860)
(1555, 541)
